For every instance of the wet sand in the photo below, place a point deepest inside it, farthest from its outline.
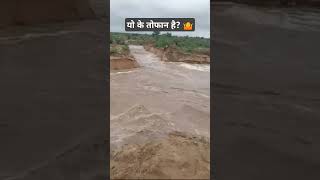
(266, 93)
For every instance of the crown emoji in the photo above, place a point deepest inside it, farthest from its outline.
(187, 26)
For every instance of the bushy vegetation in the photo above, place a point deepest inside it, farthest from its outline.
(118, 38)
(118, 50)
(186, 44)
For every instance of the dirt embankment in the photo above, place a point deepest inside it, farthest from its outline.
(172, 54)
(122, 62)
(179, 156)
(121, 58)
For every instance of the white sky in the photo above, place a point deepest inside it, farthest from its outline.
(198, 9)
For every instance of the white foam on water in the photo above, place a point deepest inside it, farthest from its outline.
(198, 67)
(122, 72)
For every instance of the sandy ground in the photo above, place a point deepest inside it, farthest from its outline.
(266, 93)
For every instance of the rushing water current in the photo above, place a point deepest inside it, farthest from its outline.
(176, 93)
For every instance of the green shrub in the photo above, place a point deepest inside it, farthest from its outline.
(186, 44)
(119, 50)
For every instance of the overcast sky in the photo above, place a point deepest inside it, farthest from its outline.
(198, 9)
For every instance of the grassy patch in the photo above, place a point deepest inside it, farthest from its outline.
(187, 44)
(119, 50)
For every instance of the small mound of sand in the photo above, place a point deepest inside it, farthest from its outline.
(179, 156)
(121, 63)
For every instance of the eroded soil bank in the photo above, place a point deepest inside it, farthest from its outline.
(122, 63)
(172, 54)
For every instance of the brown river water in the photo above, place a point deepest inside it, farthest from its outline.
(157, 98)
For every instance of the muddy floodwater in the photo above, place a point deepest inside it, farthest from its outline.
(167, 96)
(266, 92)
